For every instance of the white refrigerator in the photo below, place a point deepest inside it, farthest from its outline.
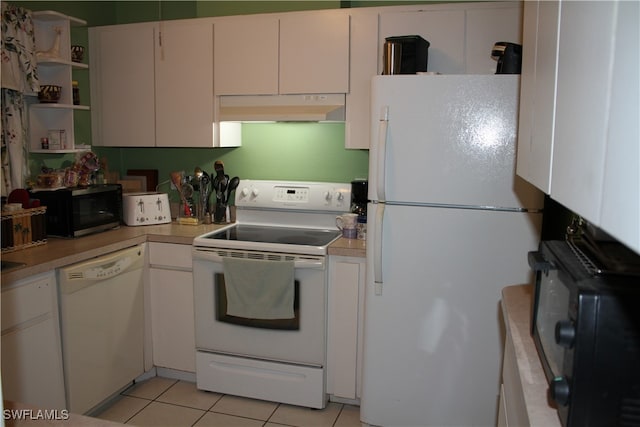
(449, 226)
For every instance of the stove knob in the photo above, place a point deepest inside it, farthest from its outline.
(340, 196)
(255, 192)
(327, 196)
(244, 192)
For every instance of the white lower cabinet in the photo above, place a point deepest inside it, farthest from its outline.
(172, 312)
(512, 410)
(31, 354)
(345, 317)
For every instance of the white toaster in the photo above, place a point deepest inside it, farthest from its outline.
(146, 208)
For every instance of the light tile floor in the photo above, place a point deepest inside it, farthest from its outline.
(167, 402)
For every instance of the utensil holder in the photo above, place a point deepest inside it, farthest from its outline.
(220, 213)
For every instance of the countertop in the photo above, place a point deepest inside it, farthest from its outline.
(58, 252)
(516, 308)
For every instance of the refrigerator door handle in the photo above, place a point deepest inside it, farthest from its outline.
(383, 126)
(377, 249)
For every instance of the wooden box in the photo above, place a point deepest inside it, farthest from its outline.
(23, 229)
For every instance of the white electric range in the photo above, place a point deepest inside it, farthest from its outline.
(277, 359)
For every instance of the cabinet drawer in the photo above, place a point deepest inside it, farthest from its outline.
(170, 255)
(27, 301)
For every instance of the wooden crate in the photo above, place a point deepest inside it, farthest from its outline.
(23, 229)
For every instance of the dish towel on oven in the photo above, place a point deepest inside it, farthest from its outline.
(258, 289)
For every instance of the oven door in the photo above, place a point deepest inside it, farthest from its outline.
(301, 341)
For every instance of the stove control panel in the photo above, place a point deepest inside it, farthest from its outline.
(292, 195)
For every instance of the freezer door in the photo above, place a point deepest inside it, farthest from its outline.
(433, 335)
(447, 139)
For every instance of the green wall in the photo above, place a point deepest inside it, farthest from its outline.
(287, 151)
(269, 151)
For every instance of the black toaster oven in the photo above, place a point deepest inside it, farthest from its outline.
(586, 327)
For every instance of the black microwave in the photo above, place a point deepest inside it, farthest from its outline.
(586, 328)
(75, 212)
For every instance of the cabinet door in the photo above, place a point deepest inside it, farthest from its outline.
(246, 55)
(31, 353)
(184, 84)
(620, 211)
(538, 92)
(31, 373)
(443, 29)
(582, 105)
(363, 66)
(484, 27)
(314, 52)
(172, 319)
(122, 85)
(344, 349)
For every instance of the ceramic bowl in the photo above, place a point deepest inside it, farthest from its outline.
(49, 93)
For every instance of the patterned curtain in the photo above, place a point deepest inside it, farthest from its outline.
(19, 77)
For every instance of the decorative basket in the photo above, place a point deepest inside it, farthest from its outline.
(23, 229)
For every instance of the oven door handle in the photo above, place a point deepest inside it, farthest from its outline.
(299, 261)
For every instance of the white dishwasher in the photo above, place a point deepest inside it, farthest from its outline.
(102, 326)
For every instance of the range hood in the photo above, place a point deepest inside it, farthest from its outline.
(282, 108)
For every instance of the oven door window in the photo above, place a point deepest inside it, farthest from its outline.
(292, 324)
(553, 306)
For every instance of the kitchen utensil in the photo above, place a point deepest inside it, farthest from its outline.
(187, 192)
(197, 173)
(176, 180)
(233, 184)
(218, 166)
(205, 183)
(220, 184)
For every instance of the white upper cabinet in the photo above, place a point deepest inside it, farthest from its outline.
(579, 142)
(282, 54)
(443, 29)
(484, 27)
(122, 85)
(620, 209)
(583, 87)
(362, 67)
(314, 52)
(596, 155)
(461, 36)
(246, 55)
(538, 92)
(153, 85)
(184, 84)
